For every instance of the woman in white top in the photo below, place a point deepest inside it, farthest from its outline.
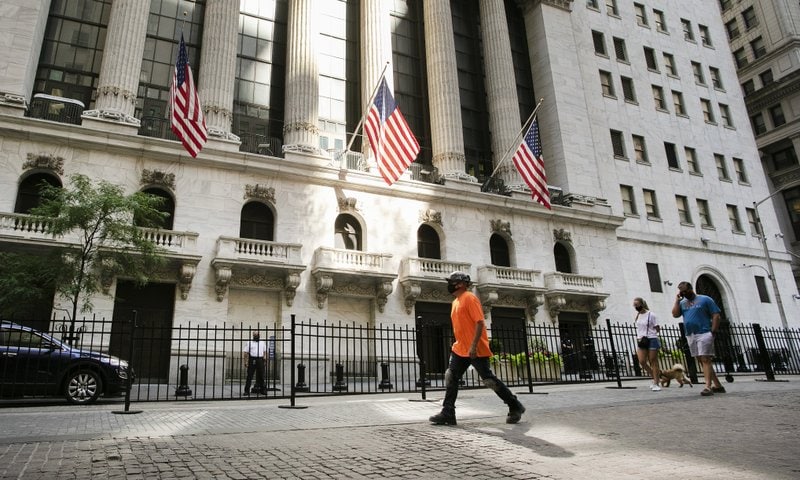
(647, 326)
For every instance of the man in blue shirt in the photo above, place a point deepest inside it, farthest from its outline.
(701, 321)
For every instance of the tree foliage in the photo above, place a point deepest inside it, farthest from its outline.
(101, 228)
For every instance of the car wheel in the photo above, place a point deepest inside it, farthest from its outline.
(83, 386)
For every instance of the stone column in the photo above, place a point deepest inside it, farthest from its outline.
(447, 137)
(122, 63)
(300, 130)
(376, 51)
(501, 88)
(218, 66)
(22, 25)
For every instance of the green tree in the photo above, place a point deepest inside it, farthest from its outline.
(96, 221)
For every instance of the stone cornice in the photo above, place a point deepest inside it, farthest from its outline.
(561, 4)
(773, 93)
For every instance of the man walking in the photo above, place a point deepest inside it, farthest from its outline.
(255, 353)
(471, 347)
(701, 320)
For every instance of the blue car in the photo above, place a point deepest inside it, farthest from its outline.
(35, 363)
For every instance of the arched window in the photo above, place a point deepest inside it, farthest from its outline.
(29, 193)
(498, 247)
(428, 243)
(348, 232)
(257, 222)
(167, 206)
(562, 258)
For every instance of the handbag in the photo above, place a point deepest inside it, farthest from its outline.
(644, 342)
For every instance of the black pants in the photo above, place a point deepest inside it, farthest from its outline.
(458, 365)
(255, 365)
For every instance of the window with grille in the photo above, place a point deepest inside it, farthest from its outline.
(627, 89)
(599, 43)
(619, 49)
(650, 59)
(617, 144)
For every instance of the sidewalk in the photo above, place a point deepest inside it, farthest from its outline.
(587, 431)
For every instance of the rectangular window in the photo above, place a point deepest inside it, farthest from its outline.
(759, 49)
(725, 115)
(654, 277)
(611, 7)
(661, 21)
(776, 114)
(759, 125)
(599, 43)
(658, 98)
(688, 33)
(628, 202)
(650, 204)
(748, 87)
(620, 50)
(704, 213)
(716, 78)
(669, 64)
(725, 4)
(650, 59)
(640, 149)
(593, 4)
(691, 160)
(697, 71)
(766, 77)
(705, 36)
(752, 221)
(617, 144)
(672, 155)
(708, 114)
(677, 102)
(627, 89)
(606, 84)
(684, 215)
(722, 169)
(738, 167)
(641, 15)
(783, 159)
(733, 217)
(792, 198)
(740, 57)
(750, 19)
(732, 28)
(761, 286)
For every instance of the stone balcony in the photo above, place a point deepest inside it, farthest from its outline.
(573, 292)
(260, 264)
(26, 233)
(508, 286)
(425, 279)
(352, 273)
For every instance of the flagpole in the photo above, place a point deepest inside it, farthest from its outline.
(366, 111)
(514, 143)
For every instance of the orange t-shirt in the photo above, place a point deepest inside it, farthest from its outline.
(465, 314)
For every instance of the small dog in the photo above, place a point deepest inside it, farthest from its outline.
(675, 373)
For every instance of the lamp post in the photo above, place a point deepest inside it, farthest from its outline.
(770, 269)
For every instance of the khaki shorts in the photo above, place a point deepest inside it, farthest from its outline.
(701, 344)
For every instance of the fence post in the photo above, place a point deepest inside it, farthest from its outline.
(763, 353)
(614, 361)
(127, 409)
(291, 370)
(422, 382)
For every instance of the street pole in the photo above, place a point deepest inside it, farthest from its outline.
(770, 270)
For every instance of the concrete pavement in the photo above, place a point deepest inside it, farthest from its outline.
(574, 431)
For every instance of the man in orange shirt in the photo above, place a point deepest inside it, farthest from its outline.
(470, 348)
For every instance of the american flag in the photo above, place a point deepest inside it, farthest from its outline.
(186, 119)
(530, 164)
(391, 139)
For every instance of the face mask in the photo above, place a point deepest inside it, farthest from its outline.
(639, 308)
(451, 287)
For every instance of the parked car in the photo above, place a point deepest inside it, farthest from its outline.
(35, 363)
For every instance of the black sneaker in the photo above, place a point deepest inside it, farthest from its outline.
(443, 419)
(515, 413)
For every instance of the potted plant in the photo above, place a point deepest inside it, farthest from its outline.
(505, 365)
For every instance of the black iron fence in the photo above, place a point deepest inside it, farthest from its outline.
(202, 361)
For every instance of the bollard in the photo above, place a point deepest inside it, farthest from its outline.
(339, 385)
(385, 383)
(183, 389)
(301, 386)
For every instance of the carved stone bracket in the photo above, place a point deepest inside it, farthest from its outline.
(347, 204)
(561, 235)
(188, 271)
(323, 285)
(383, 290)
(290, 287)
(596, 306)
(555, 303)
(222, 276)
(411, 292)
(534, 302)
(431, 216)
(259, 192)
(44, 161)
(501, 226)
(300, 127)
(157, 177)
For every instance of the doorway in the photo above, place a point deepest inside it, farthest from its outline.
(435, 337)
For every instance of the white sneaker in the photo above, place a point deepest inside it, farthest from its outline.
(655, 388)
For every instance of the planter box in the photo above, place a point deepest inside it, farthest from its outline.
(543, 372)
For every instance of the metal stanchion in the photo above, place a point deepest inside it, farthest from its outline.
(292, 403)
(128, 410)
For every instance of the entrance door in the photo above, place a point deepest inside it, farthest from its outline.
(508, 328)
(577, 345)
(435, 336)
(724, 348)
(153, 305)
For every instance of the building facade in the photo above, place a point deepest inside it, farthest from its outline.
(652, 165)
